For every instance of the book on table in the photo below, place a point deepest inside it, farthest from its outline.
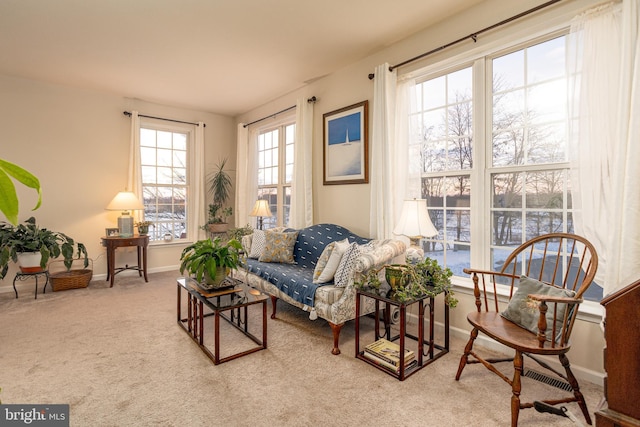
(388, 352)
(391, 367)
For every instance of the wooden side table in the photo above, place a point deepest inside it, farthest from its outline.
(433, 350)
(114, 242)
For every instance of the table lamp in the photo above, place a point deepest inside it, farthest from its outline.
(415, 224)
(125, 201)
(261, 209)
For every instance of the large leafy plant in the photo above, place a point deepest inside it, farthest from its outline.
(207, 256)
(28, 237)
(8, 195)
(220, 188)
(426, 277)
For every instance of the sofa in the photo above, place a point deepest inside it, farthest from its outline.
(314, 269)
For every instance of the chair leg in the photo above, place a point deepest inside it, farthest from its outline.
(467, 350)
(516, 387)
(576, 388)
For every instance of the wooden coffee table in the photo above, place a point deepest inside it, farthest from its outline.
(230, 304)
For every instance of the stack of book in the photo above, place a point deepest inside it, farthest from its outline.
(387, 354)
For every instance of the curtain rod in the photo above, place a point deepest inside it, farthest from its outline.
(473, 36)
(128, 113)
(313, 99)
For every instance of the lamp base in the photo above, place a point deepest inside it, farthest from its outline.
(415, 253)
(125, 224)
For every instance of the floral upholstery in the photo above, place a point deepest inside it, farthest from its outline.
(334, 304)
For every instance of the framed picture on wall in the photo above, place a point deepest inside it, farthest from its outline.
(346, 145)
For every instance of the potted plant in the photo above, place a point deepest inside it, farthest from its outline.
(220, 189)
(426, 277)
(143, 227)
(210, 260)
(44, 244)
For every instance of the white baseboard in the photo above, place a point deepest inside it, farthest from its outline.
(581, 373)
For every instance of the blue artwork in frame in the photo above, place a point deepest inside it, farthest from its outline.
(346, 145)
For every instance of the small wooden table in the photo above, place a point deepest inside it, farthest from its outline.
(234, 300)
(114, 242)
(433, 350)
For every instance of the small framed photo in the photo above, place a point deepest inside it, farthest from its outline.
(112, 232)
(346, 145)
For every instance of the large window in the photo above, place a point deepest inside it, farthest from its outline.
(492, 142)
(164, 169)
(275, 171)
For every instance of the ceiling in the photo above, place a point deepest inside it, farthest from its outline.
(219, 56)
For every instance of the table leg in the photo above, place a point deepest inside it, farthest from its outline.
(36, 297)
(46, 282)
(357, 321)
(144, 263)
(14, 286)
(111, 264)
(139, 262)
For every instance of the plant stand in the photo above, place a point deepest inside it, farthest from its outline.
(20, 277)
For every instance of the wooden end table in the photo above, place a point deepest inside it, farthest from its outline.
(114, 242)
(432, 351)
(235, 300)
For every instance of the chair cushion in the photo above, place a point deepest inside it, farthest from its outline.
(278, 247)
(524, 311)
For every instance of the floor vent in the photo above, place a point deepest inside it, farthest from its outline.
(547, 380)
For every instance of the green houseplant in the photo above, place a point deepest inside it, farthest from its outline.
(426, 277)
(210, 260)
(220, 189)
(30, 238)
(8, 195)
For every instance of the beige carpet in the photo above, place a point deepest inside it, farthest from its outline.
(117, 356)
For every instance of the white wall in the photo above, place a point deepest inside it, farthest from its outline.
(348, 205)
(77, 143)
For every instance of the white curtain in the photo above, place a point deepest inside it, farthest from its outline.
(246, 176)
(301, 214)
(383, 185)
(199, 187)
(134, 176)
(605, 137)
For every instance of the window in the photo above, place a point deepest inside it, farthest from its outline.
(493, 154)
(275, 171)
(164, 153)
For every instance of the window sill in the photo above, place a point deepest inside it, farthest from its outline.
(589, 311)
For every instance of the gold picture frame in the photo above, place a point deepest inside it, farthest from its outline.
(346, 145)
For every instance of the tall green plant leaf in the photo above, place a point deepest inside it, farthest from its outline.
(8, 197)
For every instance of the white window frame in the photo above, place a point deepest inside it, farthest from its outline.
(160, 125)
(481, 172)
(281, 186)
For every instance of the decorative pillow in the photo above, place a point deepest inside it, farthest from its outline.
(346, 267)
(278, 247)
(329, 261)
(522, 312)
(257, 244)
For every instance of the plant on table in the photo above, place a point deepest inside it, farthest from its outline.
(210, 259)
(426, 277)
(29, 237)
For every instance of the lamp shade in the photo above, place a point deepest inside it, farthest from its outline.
(125, 201)
(261, 208)
(414, 220)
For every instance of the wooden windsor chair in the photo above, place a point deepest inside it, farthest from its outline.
(545, 279)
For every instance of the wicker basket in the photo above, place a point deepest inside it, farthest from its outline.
(71, 279)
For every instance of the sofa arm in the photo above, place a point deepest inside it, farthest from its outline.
(381, 255)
